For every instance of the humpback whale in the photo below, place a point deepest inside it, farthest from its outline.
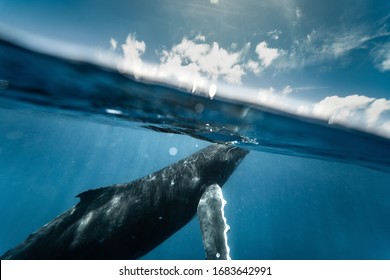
(126, 221)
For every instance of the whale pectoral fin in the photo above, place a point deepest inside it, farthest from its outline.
(213, 223)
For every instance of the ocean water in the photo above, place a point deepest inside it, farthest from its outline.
(307, 189)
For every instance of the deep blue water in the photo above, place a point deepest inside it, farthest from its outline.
(303, 195)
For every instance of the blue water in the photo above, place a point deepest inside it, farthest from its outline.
(305, 191)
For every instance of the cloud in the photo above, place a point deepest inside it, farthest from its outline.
(271, 96)
(113, 44)
(205, 61)
(266, 55)
(287, 90)
(266, 91)
(322, 45)
(386, 128)
(298, 13)
(196, 58)
(355, 110)
(342, 107)
(382, 57)
(253, 66)
(200, 37)
(385, 65)
(132, 52)
(332, 45)
(274, 34)
(342, 45)
(376, 108)
(191, 60)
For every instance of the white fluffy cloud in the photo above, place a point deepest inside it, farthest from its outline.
(132, 52)
(190, 60)
(376, 108)
(204, 60)
(253, 66)
(266, 55)
(342, 107)
(353, 110)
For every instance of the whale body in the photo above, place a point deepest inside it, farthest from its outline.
(126, 221)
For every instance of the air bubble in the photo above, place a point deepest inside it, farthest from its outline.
(199, 108)
(173, 151)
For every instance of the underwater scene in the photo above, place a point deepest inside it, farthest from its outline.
(205, 129)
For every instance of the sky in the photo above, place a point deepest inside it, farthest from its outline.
(331, 55)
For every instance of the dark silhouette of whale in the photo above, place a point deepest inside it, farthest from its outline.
(126, 221)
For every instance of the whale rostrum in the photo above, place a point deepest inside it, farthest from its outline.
(126, 221)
